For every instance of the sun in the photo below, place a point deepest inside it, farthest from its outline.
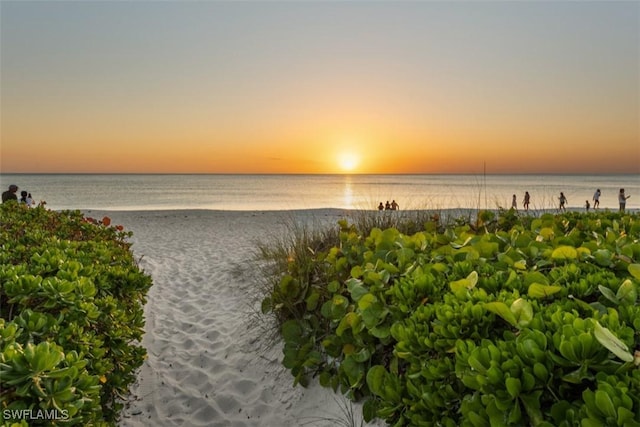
(348, 161)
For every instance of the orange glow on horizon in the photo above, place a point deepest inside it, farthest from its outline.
(383, 156)
(321, 144)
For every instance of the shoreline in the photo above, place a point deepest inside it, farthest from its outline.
(332, 210)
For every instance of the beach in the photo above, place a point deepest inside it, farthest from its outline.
(208, 361)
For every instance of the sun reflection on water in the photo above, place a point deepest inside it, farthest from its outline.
(348, 192)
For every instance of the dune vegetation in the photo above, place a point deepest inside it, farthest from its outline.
(500, 320)
(71, 319)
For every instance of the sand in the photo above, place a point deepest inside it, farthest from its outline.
(207, 363)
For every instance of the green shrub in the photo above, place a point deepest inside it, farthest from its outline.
(506, 321)
(72, 302)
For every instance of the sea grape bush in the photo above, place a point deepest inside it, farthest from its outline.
(71, 317)
(508, 321)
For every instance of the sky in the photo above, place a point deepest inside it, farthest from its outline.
(320, 87)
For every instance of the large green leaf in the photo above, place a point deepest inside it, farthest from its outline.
(603, 257)
(375, 379)
(564, 253)
(627, 293)
(535, 277)
(605, 404)
(356, 289)
(608, 294)
(503, 311)
(523, 312)
(469, 282)
(514, 386)
(634, 269)
(612, 343)
(537, 290)
(372, 310)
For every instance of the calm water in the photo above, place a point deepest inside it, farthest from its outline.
(280, 192)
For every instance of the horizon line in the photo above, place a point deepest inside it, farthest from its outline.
(321, 174)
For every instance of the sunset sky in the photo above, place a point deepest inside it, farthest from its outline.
(320, 87)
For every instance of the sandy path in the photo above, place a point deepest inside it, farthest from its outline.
(206, 365)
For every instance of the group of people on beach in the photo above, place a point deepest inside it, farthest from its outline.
(525, 202)
(11, 195)
(393, 206)
(622, 201)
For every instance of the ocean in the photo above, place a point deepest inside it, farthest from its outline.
(291, 192)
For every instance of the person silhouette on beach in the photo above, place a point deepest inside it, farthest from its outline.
(596, 199)
(587, 205)
(394, 205)
(10, 194)
(622, 199)
(563, 201)
(514, 203)
(380, 206)
(525, 203)
(387, 206)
